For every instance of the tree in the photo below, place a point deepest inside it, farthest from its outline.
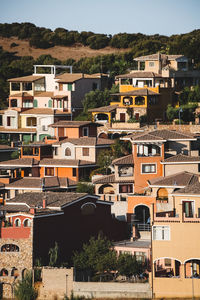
(85, 188)
(121, 148)
(53, 255)
(104, 159)
(95, 99)
(97, 256)
(128, 265)
(24, 289)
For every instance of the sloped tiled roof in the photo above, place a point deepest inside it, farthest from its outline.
(53, 199)
(20, 162)
(125, 160)
(191, 189)
(30, 78)
(71, 124)
(111, 179)
(86, 141)
(64, 162)
(72, 77)
(182, 158)
(172, 134)
(108, 108)
(3, 129)
(43, 111)
(139, 74)
(178, 179)
(138, 92)
(6, 147)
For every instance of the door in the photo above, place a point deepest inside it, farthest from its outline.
(122, 117)
(60, 132)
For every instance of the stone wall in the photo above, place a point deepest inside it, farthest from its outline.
(56, 283)
(193, 128)
(15, 262)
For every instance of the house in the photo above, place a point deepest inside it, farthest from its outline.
(175, 248)
(45, 97)
(31, 223)
(148, 90)
(58, 163)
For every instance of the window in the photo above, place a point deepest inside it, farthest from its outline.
(27, 103)
(88, 209)
(9, 248)
(85, 131)
(74, 172)
(67, 152)
(10, 121)
(168, 262)
(149, 168)
(94, 86)
(140, 256)
(17, 222)
(27, 223)
(127, 101)
(56, 151)
(188, 208)
(27, 86)
(161, 233)
(35, 103)
(31, 121)
(1, 120)
(50, 103)
(139, 100)
(85, 151)
(15, 86)
(49, 171)
(126, 188)
(151, 64)
(69, 87)
(13, 102)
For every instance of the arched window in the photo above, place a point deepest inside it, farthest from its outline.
(9, 248)
(127, 101)
(139, 100)
(50, 103)
(4, 272)
(27, 223)
(35, 103)
(67, 152)
(17, 222)
(88, 208)
(162, 194)
(14, 272)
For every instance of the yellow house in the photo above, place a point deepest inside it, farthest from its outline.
(176, 247)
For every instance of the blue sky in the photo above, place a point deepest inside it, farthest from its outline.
(106, 16)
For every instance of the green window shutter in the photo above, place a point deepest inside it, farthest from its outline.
(50, 103)
(35, 103)
(60, 103)
(69, 86)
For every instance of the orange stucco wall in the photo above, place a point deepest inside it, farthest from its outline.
(61, 172)
(140, 179)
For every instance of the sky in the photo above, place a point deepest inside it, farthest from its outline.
(106, 16)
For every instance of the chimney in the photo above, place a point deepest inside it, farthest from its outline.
(44, 202)
(32, 210)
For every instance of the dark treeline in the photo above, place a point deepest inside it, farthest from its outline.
(40, 37)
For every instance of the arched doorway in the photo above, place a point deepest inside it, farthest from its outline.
(142, 214)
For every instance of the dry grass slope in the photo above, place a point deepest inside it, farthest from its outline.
(60, 52)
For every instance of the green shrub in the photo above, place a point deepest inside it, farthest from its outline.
(24, 289)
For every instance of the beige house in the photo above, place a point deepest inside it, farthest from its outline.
(175, 246)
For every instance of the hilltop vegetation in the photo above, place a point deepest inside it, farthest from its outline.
(40, 38)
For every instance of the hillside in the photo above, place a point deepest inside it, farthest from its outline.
(75, 52)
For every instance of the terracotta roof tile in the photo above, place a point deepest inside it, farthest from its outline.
(125, 160)
(156, 57)
(178, 179)
(28, 162)
(71, 124)
(108, 108)
(18, 130)
(43, 111)
(64, 162)
(86, 141)
(193, 189)
(182, 158)
(111, 179)
(30, 78)
(139, 74)
(138, 92)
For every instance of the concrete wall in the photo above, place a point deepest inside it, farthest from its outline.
(111, 289)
